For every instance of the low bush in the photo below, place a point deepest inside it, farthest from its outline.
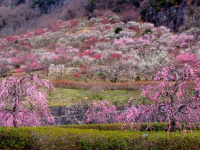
(148, 31)
(154, 126)
(163, 3)
(67, 138)
(117, 30)
(120, 126)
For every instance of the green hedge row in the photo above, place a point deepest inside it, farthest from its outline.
(159, 126)
(87, 139)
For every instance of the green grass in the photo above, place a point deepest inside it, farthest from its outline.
(71, 96)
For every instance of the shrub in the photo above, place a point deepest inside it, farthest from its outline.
(169, 3)
(138, 78)
(143, 13)
(136, 3)
(90, 7)
(117, 30)
(163, 3)
(147, 31)
(60, 138)
(120, 126)
(191, 11)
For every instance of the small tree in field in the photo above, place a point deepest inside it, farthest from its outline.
(175, 98)
(102, 112)
(23, 101)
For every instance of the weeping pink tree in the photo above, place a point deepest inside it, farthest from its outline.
(102, 112)
(23, 101)
(175, 98)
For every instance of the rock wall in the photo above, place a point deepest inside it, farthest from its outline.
(11, 4)
(73, 114)
(170, 17)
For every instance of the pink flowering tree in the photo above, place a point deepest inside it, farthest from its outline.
(23, 101)
(85, 73)
(27, 63)
(114, 66)
(103, 112)
(174, 99)
(64, 55)
(189, 58)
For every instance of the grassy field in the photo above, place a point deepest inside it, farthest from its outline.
(71, 96)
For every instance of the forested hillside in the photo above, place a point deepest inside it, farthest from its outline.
(20, 16)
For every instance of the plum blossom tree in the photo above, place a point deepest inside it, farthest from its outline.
(173, 98)
(189, 58)
(56, 70)
(103, 112)
(28, 63)
(114, 65)
(85, 73)
(23, 101)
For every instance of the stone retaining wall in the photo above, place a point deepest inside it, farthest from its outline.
(75, 114)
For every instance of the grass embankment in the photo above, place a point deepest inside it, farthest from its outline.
(68, 138)
(72, 96)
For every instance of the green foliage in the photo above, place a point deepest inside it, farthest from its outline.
(26, 17)
(152, 4)
(147, 31)
(90, 7)
(93, 1)
(157, 9)
(198, 2)
(117, 10)
(100, 73)
(118, 29)
(143, 13)
(110, 4)
(138, 78)
(55, 137)
(41, 3)
(135, 3)
(178, 1)
(118, 126)
(154, 126)
(51, 1)
(163, 3)
(191, 11)
(169, 3)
